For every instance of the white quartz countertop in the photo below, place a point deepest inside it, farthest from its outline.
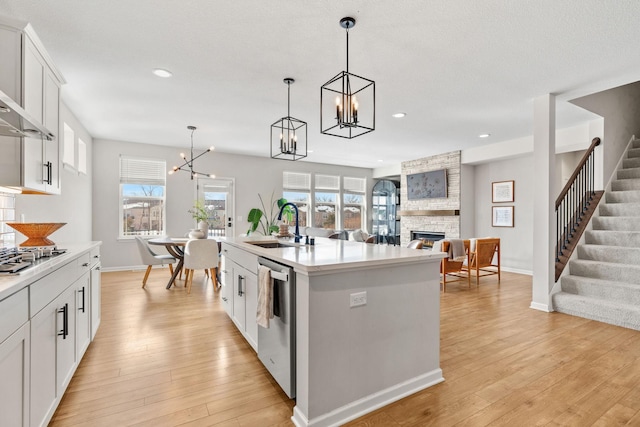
(333, 254)
(10, 284)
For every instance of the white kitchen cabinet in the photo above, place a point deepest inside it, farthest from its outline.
(226, 291)
(242, 292)
(53, 355)
(30, 79)
(83, 314)
(14, 360)
(96, 290)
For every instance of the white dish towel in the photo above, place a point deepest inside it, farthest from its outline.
(265, 296)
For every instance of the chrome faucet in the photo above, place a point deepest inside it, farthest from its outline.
(296, 236)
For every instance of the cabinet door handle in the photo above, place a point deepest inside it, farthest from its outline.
(65, 321)
(82, 292)
(48, 173)
(240, 279)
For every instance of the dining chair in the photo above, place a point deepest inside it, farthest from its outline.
(150, 258)
(415, 244)
(201, 254)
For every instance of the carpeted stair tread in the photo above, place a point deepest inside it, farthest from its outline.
(605, 270)
(612, 238)
(628, 173)
(630, 196)
(613, 254)
(633, 162)
(633, 152)
(619, 209)
(627, 293)
(616, 223)
(615, 313)
(625, 184)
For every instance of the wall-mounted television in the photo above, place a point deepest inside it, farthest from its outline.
(427, 185)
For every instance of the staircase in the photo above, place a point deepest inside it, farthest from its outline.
(604, 282)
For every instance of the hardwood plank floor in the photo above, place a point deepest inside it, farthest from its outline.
(165, 358)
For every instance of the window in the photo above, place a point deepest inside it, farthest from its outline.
(142, 197)
(327, 188)
(82, 156)
(297, 190)
(353, 203)
(69, 147)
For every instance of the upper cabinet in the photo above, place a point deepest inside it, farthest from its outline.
(30, 90)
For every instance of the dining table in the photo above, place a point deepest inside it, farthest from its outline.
(175, 247)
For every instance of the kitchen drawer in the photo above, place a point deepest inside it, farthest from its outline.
(49, 287)
(84, 262)
(14, 312)
(241, 257)
(95, 255)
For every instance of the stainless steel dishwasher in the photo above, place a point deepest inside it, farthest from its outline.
(277, 344)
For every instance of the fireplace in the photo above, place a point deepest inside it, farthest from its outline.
(427, 237)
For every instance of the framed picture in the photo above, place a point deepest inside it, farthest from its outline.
(502, 216)
(502, 191)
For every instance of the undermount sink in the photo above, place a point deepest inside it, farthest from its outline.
(272, 244)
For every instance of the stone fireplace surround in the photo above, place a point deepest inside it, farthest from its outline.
(437, 215)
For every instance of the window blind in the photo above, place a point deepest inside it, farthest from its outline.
(327, 182)
(296, 181)
(355, 185)
(134, 170)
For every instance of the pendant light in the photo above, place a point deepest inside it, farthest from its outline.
(288, 134)
(187, 166)
(348, 101)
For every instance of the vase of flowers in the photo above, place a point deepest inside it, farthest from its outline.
(200, 214)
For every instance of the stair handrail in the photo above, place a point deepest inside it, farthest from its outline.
(573, 205)
(594, 143)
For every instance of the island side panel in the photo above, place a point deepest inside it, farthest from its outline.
(345, 354)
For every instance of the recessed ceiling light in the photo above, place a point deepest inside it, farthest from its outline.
(484, 135)
(398, 115)
(160, 72)
(309, 151)
(380, 160)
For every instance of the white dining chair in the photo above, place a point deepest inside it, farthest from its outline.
(150, 258)
(201, 254)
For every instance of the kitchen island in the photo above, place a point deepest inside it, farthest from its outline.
(367, 328)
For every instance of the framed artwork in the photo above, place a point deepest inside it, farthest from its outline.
(502, 191)
(427, 185)
(502, 216)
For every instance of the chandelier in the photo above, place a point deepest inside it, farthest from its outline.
(288, 134)
(347, 101)
(187, 166)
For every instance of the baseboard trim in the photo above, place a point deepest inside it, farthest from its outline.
(541, 307)
(369, 403)
(130, 268)
(516, 270)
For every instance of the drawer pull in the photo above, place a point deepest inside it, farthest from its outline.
(86, 264)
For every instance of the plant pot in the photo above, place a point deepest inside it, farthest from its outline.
(196, 233)
(204, 227)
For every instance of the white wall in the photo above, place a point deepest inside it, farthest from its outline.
(620, 108)
(72, 206)
(253, 176)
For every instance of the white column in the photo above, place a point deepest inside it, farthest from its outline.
(544, 133)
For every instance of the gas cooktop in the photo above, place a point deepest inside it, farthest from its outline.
(16, 260)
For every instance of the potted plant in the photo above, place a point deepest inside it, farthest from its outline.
(267, 221)
(200, 214)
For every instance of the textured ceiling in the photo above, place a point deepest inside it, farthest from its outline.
(458, 68)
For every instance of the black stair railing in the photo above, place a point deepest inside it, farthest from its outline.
(574, 201)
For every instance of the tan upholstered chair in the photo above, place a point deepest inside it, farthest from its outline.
(485, 258)
(370, 239)
(150, 258)
(415, 244)
(456, 268)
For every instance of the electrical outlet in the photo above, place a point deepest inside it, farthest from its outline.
(358, 299)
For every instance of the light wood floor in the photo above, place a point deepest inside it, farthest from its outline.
(165, 358)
